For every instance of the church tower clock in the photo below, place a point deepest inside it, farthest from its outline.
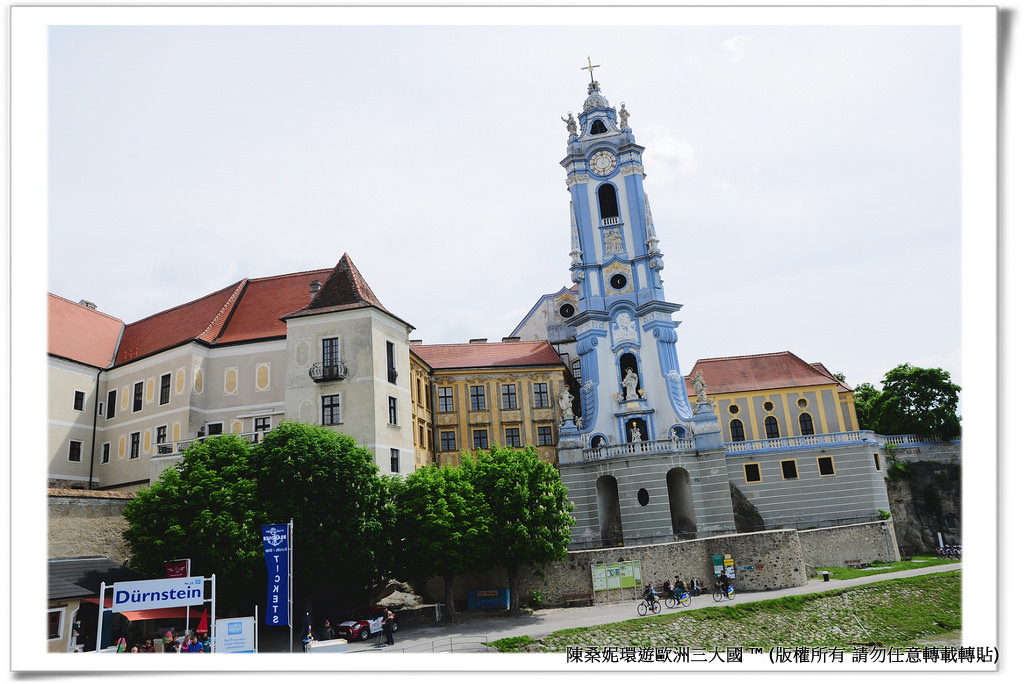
(631, 388)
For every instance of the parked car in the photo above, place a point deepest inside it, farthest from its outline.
(365, 621)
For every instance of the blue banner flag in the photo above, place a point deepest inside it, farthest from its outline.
(275, 550)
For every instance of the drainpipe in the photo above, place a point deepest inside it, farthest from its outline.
(95, 417)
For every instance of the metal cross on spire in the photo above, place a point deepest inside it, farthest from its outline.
(590, 67)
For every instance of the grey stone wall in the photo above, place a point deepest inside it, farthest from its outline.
(85, 523)
(764, 561)
(833, 546)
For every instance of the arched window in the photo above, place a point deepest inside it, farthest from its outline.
(607, 201)
(771, 428)
(806, 424)
(736, 428)
(598, 127)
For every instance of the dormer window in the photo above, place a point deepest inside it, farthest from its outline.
(598, 127)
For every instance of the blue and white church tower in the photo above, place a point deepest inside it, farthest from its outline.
(636, 457)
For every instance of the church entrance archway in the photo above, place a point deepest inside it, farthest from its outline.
(680, 503)
(608, 515)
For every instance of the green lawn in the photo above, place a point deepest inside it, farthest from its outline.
(894, 613)
(879, 567)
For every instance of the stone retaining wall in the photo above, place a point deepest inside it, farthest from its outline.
(831, 547)
(85, 523)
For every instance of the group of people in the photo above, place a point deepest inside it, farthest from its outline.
(189, 643)
(693, 586)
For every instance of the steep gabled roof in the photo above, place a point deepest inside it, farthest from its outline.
(486, 355)
(257, 315)
(201, 319)
(81, 577)
(344, 290)
(80, 333)
(760, 372)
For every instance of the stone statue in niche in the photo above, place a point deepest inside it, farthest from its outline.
(634, 435)
(629, 384)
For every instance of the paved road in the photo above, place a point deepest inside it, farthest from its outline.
(472, 629)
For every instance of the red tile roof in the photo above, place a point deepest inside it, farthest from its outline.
(201, 319)
(344, 290)
(778, 370)
(80, 333)
(486, 355)
(264, 301)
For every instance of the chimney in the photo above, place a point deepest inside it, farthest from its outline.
(314, 288)
(87, 304)
(510, 339)
(478, 340)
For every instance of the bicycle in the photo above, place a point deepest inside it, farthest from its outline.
(652, 606)
(679, 598)
(719, 596)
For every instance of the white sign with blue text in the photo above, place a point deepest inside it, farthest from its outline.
(158, 593)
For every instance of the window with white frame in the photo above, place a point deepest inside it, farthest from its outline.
(445, 400)
(111, 403)
(161, 440)
(392, 365)
(477, 398)
(165, 388)
(508, 397)
(540, 395)
(393, 410)
(54, 624)
(261, 424)
(330, 409)
(395, 461)
(137, 398)
(544, 437)
(79, 402)
(133, 452)
(105, 453)
(75, 451)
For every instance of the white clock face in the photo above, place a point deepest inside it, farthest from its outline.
(602, 163)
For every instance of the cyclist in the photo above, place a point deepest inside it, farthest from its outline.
(651, 596)
(723, 584)
(680, 587)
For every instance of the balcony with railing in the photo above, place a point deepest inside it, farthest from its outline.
(328, 372)
(166, 449)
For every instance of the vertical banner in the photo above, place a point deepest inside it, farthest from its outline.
(275, 550)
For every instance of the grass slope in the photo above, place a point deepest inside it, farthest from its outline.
(893, 613)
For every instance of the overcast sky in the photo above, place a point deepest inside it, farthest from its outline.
(805, 181)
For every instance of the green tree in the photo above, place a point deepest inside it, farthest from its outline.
(442, 526)
(530, 513)
(920, 401)
(343, 517)
(204, 509)
(864, 396)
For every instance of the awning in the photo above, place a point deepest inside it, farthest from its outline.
(177, 612)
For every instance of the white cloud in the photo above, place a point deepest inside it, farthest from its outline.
(737, 45)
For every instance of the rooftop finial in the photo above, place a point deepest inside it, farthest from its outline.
(590, 67)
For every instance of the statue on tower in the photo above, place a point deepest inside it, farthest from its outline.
(565, 403)
(623, 115)
(700, 386)
(570, 125)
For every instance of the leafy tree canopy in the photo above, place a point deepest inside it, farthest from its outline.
(920, 401)
(530, 512)
(211, 506)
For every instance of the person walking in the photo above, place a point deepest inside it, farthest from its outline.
(389, 627)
